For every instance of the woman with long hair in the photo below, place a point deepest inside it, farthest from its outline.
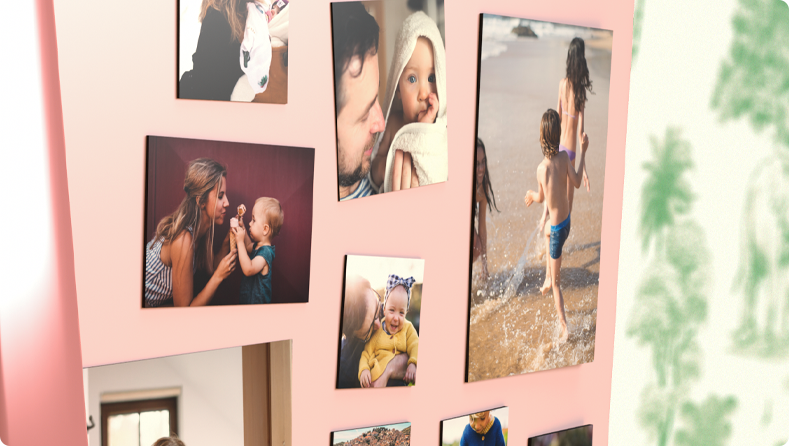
(483, 197)
(571, 105)
(572, 102)
(184, 241)
(215, 62)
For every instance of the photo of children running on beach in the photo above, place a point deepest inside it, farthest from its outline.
(216, 231)
(485, 428)
(379, 325)
(390, 95)
(542, 122)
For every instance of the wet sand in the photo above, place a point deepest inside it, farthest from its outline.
(517, 332)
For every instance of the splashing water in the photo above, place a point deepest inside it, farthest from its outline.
(512, 284)
(514, 329)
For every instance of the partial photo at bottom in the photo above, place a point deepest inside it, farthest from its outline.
(578, 436)
(239, 396)
(489, 427)
(386, 435)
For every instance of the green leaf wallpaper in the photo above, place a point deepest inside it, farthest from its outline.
(701, 353)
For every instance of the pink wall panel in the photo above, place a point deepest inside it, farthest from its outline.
(40, 361)
(116, 63)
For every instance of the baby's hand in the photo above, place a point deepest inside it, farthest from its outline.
(529, 198)
(240, 232)
(364, 379)
(410, 373)
(429, 116)
(585, 143)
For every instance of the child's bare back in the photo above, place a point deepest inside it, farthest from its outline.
(553, 175)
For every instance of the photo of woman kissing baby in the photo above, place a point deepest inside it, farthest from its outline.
(379, 326)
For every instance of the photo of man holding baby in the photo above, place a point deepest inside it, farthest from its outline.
(391, 130)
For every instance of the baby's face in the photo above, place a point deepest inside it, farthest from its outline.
(395, 310)
(258, 225)
(417, 81)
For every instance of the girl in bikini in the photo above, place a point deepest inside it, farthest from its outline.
(571, 105)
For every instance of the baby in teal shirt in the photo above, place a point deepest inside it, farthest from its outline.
(256, 258)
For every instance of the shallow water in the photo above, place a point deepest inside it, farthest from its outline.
(514, 329)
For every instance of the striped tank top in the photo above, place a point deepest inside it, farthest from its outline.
(158, 276)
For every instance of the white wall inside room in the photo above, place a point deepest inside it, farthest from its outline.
(210, 406)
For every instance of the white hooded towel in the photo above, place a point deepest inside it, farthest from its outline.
(427, 143)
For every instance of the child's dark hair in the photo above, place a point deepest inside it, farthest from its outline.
(550, 132)
(487, 187)
(578, 72)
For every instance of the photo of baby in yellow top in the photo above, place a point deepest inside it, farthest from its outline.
(396, 335)
(380, 322)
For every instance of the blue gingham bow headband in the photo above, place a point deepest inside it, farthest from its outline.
(395, 280)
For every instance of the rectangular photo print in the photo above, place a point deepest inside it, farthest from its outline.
(579, 436)
(233, 50)
(537, 206)
(215, 226)
(379, 322)
(234, 396)
(390, 95)
(489, 427)
(386, 435)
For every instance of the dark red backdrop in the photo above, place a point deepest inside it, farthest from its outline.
(253, 170)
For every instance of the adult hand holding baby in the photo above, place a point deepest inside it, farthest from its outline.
(365, 379)
(410, 373)
(403, 171)
(227, 265)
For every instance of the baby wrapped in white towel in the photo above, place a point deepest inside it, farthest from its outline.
(256, 47)
(266, 30)
(416, 108)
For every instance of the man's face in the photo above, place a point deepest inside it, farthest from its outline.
(359, 120)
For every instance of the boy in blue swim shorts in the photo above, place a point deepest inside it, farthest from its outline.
(554, 174)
